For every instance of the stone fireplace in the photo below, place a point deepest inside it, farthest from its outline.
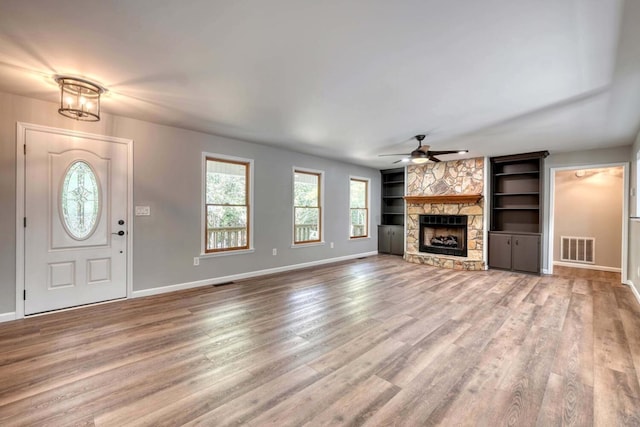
(443, 234)
(445, 222)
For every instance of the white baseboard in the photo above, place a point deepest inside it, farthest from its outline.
(634, 290)
(7, 317)
(215, 280)
(587, 266)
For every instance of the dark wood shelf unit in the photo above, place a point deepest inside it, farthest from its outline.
(516, 211)
(392, 197)
(517, 173)
(519, 208)
(524, 193)
(391, 229)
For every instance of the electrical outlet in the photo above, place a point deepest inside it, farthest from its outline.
(275, 251)
(196, 261)
(331, 244)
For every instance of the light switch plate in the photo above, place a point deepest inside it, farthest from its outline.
(143, 210)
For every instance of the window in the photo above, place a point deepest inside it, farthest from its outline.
(359, 208)
(307, 206)
(227, 197)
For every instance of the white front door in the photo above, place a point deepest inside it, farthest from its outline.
(76, 220)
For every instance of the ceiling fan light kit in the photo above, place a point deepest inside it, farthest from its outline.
(79, 98)
(422, 154)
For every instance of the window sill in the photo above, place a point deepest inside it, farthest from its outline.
(306, 245)
(227, 253)
(355, 239)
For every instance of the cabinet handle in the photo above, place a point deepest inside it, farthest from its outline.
(508, 242)
(516, 243)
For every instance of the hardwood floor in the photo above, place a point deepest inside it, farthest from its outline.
(373, 342)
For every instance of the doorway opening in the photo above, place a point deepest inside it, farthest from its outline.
(587, 212)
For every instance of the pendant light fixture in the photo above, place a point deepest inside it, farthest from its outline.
(79, 98)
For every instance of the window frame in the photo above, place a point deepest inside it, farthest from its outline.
(367, 207)
(249, 192)
(320, 175)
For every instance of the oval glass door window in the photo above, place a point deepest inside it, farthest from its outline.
(80, 200)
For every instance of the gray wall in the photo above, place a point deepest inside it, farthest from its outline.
(575, 158)
(167, 177)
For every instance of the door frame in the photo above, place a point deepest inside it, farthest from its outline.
(625, 212)
(21, 137)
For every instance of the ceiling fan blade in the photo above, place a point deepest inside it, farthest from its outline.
(398, 161)
(433, 159)
(383, 155)
(439, 153)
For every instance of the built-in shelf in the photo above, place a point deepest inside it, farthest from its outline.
(451, 198)
(518, 208)
(517, 173)
(516, 212)
(392, 197)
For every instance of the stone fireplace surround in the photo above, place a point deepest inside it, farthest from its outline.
(447, 188)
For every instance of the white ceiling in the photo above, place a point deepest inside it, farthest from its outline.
(346, 79)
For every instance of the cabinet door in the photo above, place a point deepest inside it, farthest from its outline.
(500, 251)
(526, 253)
(384, 239)
(397, 240)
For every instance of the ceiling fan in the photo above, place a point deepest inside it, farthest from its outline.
(422, 154)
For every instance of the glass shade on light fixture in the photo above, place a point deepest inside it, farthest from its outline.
(419, 160)
(79, 99)
(418, 157)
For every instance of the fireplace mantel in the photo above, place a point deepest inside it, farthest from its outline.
(445, 198)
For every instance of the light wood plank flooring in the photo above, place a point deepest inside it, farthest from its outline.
(374, 342)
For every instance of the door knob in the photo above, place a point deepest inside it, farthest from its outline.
(121, 222)
(119, 233)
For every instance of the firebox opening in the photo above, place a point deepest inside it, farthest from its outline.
(443, 234)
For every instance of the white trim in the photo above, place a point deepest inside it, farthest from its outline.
(625, 212)
(637, 183)
(21, 130)
(633, 289)
(307, 245)
(293, 198)
(226, 253)
(368, 181)
(216, 280)
(203, 202)
(586, 266)
(7, 317)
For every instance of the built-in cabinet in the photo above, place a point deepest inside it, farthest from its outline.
(391, 239)
(516, 211)
(520, 252)
(391, 229)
